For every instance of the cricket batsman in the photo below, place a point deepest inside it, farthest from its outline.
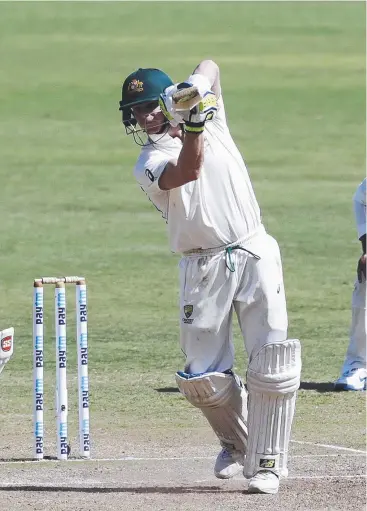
(191, 170)
(6, 346)
(354, 370)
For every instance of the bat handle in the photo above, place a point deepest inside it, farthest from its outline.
(183, 95)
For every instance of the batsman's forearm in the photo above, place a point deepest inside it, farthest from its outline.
(210, 69)
(191, 156)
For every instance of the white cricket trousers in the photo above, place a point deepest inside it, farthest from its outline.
(356, 353)
(210, 292)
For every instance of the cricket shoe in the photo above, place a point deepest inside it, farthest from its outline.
(229, 462)
(264, 481)
(352, 379)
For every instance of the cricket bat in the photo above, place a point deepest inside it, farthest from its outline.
(186, 99)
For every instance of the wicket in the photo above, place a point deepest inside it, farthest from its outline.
(61, 400)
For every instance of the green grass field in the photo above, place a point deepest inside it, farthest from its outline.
(293, 79)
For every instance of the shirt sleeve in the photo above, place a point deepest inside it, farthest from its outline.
(220, 119)
(147, 173)
(219, 122)
(359, 201)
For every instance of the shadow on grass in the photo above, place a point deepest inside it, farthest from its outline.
(168, 389)
(116, 489)
(305, 385)
(9, 461)
(318, 386)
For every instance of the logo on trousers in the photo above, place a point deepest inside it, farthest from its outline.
(188, 310)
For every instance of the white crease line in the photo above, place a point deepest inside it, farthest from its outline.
(357, 454)
(327, 446)
(239, 479)
(133, 458)
(361, 476)
(100, 485)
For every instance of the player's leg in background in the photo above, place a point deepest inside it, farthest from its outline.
(6, 346)
(354, 370)
(273, 374)
(207, 381)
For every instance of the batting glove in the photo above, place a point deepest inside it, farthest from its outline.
(202, 108)
(167, 106)
(204, 111)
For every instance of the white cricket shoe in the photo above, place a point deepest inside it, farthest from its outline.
(352, 379)
(264, 481)
(229, 462)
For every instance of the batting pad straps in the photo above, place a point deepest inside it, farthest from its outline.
(223, 400)
(273, 378)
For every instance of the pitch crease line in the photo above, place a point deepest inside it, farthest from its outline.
(181, 458)
(105, 484)
(327, 446)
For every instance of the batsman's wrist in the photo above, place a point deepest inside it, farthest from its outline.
(194, 127)
(193, 134)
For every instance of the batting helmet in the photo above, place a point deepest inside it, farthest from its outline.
(139, 87)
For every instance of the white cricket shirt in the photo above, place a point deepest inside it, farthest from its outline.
(217, 209)
(359, 200)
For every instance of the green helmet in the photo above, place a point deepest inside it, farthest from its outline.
(139, 87)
